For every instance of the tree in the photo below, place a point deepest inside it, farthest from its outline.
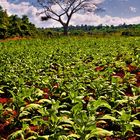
(63, 10)
(25, 19)
(15, 26)
(11, 26)
(4, 23)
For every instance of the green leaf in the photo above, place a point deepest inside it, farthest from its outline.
(24, 126)
(62, 137)
(63, 94)
(54, 118)
(94, 105)
(66, 120)
(122, 101)
(23, 114)
(84, 116)
(32, 138)
(77, 108)
(65, 112)
(134, 115)
(101, 121)
(98, 132)
(108, 117)
(16, 134)
(43, 137)
(26, 120)
(1, 107)
(132, 98)
(128, 127)
(74, 136)
(1, 92)
(31, 107)
(125, 116)
(45, 101)
(38, 93)
(135, 122)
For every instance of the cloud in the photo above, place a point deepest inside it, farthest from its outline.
(105, 20)
(98, 1)
(132, 9)
(24, 8)
(123, 0)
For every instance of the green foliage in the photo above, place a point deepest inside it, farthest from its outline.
(4, 23)
(70, 88)
(13, 26)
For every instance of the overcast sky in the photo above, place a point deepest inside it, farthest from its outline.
(116, 12)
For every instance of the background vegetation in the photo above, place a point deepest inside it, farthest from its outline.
(14, 26)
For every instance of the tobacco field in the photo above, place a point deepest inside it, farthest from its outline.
(70, 88)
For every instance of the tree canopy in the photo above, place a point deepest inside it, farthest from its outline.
(11, 26)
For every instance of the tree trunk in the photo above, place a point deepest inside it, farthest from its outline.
(65, 28)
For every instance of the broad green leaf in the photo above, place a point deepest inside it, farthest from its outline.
(54, 118)
(32, 138)
(103, 132)
(134, 115)
(65, 112)
(39, 92)
(31, 107)
(16, 134)
(1, 107)
(63, 94)
(63, 137)
(25, 126)
(132, 98)
(23, 114)
(135, 122)
(101, 121)
(108, 117)
(63, 106)
(125, 116)
(98, 132)
(74, 136)
(94, 105)
(77, 108)
(128, 127)
(122, 101)
(43, 137)
(1, 92)
(66, 120)
(26, 120)
(45, 101)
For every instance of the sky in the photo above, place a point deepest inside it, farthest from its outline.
(115, 12)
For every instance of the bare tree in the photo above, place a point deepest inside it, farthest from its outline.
(63, 10)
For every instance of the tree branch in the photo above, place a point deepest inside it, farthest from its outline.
(66, 9)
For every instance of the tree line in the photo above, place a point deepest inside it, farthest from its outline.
(97, 31)
(67, 8)
(11, 26)
(15, 26)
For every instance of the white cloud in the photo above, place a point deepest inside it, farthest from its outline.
(106, 20)
(90, 19)
(98, 1)
(24, 8)
(132, 9)
(123, 0)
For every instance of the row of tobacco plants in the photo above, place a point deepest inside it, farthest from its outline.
(70, 88)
